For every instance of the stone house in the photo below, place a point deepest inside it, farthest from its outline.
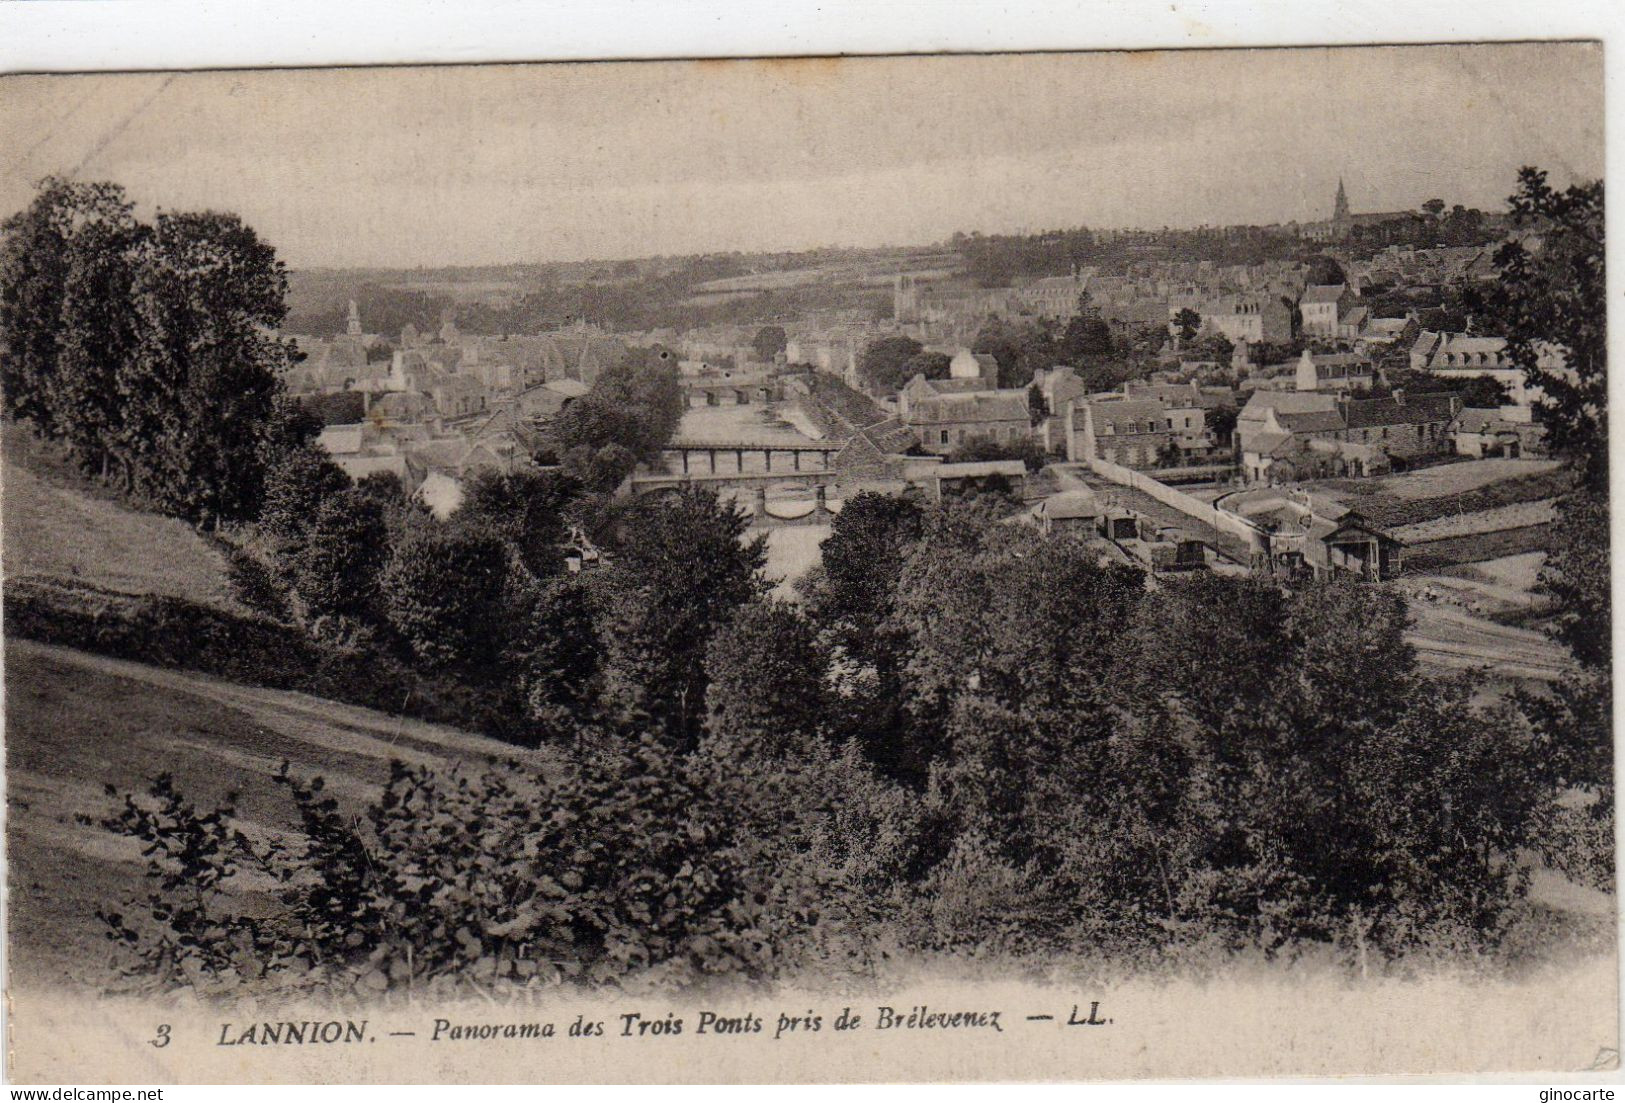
(1333, 371)
(1322, 306)
(1131, 432)
(944, 422)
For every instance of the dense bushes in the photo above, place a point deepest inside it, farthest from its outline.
(504, 879)
(171, 632)
(1063, 772)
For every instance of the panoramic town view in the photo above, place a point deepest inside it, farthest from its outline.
(547, 532)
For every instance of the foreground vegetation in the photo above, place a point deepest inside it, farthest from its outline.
(927, 757)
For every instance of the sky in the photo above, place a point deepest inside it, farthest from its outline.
(456, 165)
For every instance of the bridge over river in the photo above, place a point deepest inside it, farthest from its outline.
(682, 454)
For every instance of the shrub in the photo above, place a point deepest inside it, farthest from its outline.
(442, 591)
(453, 883)
(336, 571)
(295, 488)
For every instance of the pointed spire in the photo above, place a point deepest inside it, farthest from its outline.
(1340, 206)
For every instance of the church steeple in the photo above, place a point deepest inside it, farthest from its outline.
(353, 325)
(1340, 206)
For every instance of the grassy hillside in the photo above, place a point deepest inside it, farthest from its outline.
(58, 526)
(77, 722)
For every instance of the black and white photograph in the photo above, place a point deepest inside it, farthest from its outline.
(988, 566)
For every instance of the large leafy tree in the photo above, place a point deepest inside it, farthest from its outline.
(1020, 348)
(683, 566)
(851, 597)
(149, 349)
(336, 571)
(526, 508)
(631, 413)
(1552, 294)
(1188, 323)
(884, 364)
(646, 387)
(932, 365)
(442, 590)
(1552, 291)
(1087, 336)
(559, 657)
(202, 384)
(766, 692)
(67, 263)
(296, 485)
(769, 342)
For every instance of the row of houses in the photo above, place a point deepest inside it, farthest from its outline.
(431, 461)
(1310, 417)
(1284, 436)
(466, 374)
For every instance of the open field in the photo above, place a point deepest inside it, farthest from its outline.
(1448, 490)
(1450, 639)
(1461, 613)
(1494, 587)
(1516, 516)
(52, 531)
(1460, 478)
(1455, 550)
(75, 722)
(1516, 572)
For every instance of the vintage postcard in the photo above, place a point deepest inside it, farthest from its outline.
(931, 568)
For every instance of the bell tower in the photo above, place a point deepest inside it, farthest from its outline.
(1340, 205)
(353, 325)
(905, 298)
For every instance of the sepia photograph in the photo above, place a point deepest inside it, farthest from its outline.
(948, 567)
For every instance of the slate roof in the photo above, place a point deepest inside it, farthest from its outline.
(1414, 410)
(981, 406)
(1323, 293)
(1287, 402)
(1265, 443)
(1128, 412)
(1312, 421)
(890, 436)
(952, 386)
